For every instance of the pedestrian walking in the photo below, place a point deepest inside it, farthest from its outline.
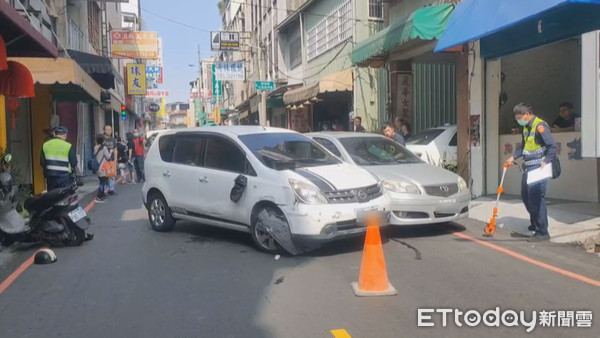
(139, 148)
(131, 154)
(58, 160)
(110, 143)
(102, 155)
(123, 162)
(538, 151)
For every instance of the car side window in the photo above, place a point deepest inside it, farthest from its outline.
(222, 154)
(166, 144)
(189, 150)
(329, 146)
(454, 140)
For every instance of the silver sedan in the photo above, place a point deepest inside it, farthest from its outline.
(420, 193)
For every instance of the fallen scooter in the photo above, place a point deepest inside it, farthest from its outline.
(55, 218)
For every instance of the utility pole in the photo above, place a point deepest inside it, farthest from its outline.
(262, 105)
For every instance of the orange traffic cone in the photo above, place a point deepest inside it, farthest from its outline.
(373, 278)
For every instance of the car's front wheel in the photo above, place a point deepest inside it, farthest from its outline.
(159, 213)
(266, 217)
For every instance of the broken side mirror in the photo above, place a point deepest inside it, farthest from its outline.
(238, 188)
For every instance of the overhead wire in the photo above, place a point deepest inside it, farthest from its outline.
(269, 59)
(289, 12)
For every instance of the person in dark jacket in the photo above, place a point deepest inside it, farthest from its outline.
(358, 128)
(390, 131)
(59, 160)
(538, 151)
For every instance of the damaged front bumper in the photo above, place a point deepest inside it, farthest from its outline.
(315, 224)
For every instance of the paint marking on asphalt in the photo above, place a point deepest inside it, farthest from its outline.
(13, 276)
(89, 206)
(341, 333)
(530, 260)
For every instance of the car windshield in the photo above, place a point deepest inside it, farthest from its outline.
(275, 149)
(425, 137)
(377, 151)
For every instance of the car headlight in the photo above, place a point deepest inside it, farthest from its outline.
(307, 193)
(401, 187)
(462, 185)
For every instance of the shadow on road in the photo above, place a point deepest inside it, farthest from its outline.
(130, 281)
(415, 231)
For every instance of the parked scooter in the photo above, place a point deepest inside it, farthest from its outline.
(55, 218)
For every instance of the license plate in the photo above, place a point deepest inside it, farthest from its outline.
(77, 215)
(364, 214)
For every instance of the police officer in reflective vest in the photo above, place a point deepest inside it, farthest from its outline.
(538, 150)
(58, 160)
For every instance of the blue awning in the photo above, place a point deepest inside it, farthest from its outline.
(509, 26)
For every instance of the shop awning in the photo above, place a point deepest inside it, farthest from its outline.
(61, 71)
(509, 26)
(98, 67)
(336, 82)
(20, 37)
(424, 24)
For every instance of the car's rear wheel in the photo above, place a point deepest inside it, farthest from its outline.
(159, 213)
(261, 236)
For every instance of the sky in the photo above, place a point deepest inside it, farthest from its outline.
(180, 43)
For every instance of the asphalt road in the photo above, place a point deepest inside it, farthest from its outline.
(199, 281)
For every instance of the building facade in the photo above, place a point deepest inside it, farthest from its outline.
(63, 48)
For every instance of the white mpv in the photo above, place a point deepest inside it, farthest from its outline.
(280, 186)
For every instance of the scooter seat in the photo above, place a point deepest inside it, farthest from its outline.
(44, 201)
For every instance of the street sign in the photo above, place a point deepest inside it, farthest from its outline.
(224, 41)
(136, 79)
(154, 107)
(265, 85)
(133, 45)
(157, 93)
(232, 70)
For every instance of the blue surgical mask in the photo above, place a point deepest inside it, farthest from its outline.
(136, 135)
(522, 123)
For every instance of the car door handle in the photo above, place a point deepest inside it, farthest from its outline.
(204, 179)
(167, 173)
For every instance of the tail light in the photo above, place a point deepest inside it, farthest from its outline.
(69, 200)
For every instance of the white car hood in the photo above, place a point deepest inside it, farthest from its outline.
(421, 173)
(335, 177)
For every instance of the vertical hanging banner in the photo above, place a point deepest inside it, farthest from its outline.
(136, 79)
(161, 112)
(216, 84)
(152, 76)
(160, 60)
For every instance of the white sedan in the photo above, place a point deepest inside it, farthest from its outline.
(420, 193)
(435, 145)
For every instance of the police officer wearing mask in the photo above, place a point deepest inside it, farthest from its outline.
(538, 150)
(58, 160)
